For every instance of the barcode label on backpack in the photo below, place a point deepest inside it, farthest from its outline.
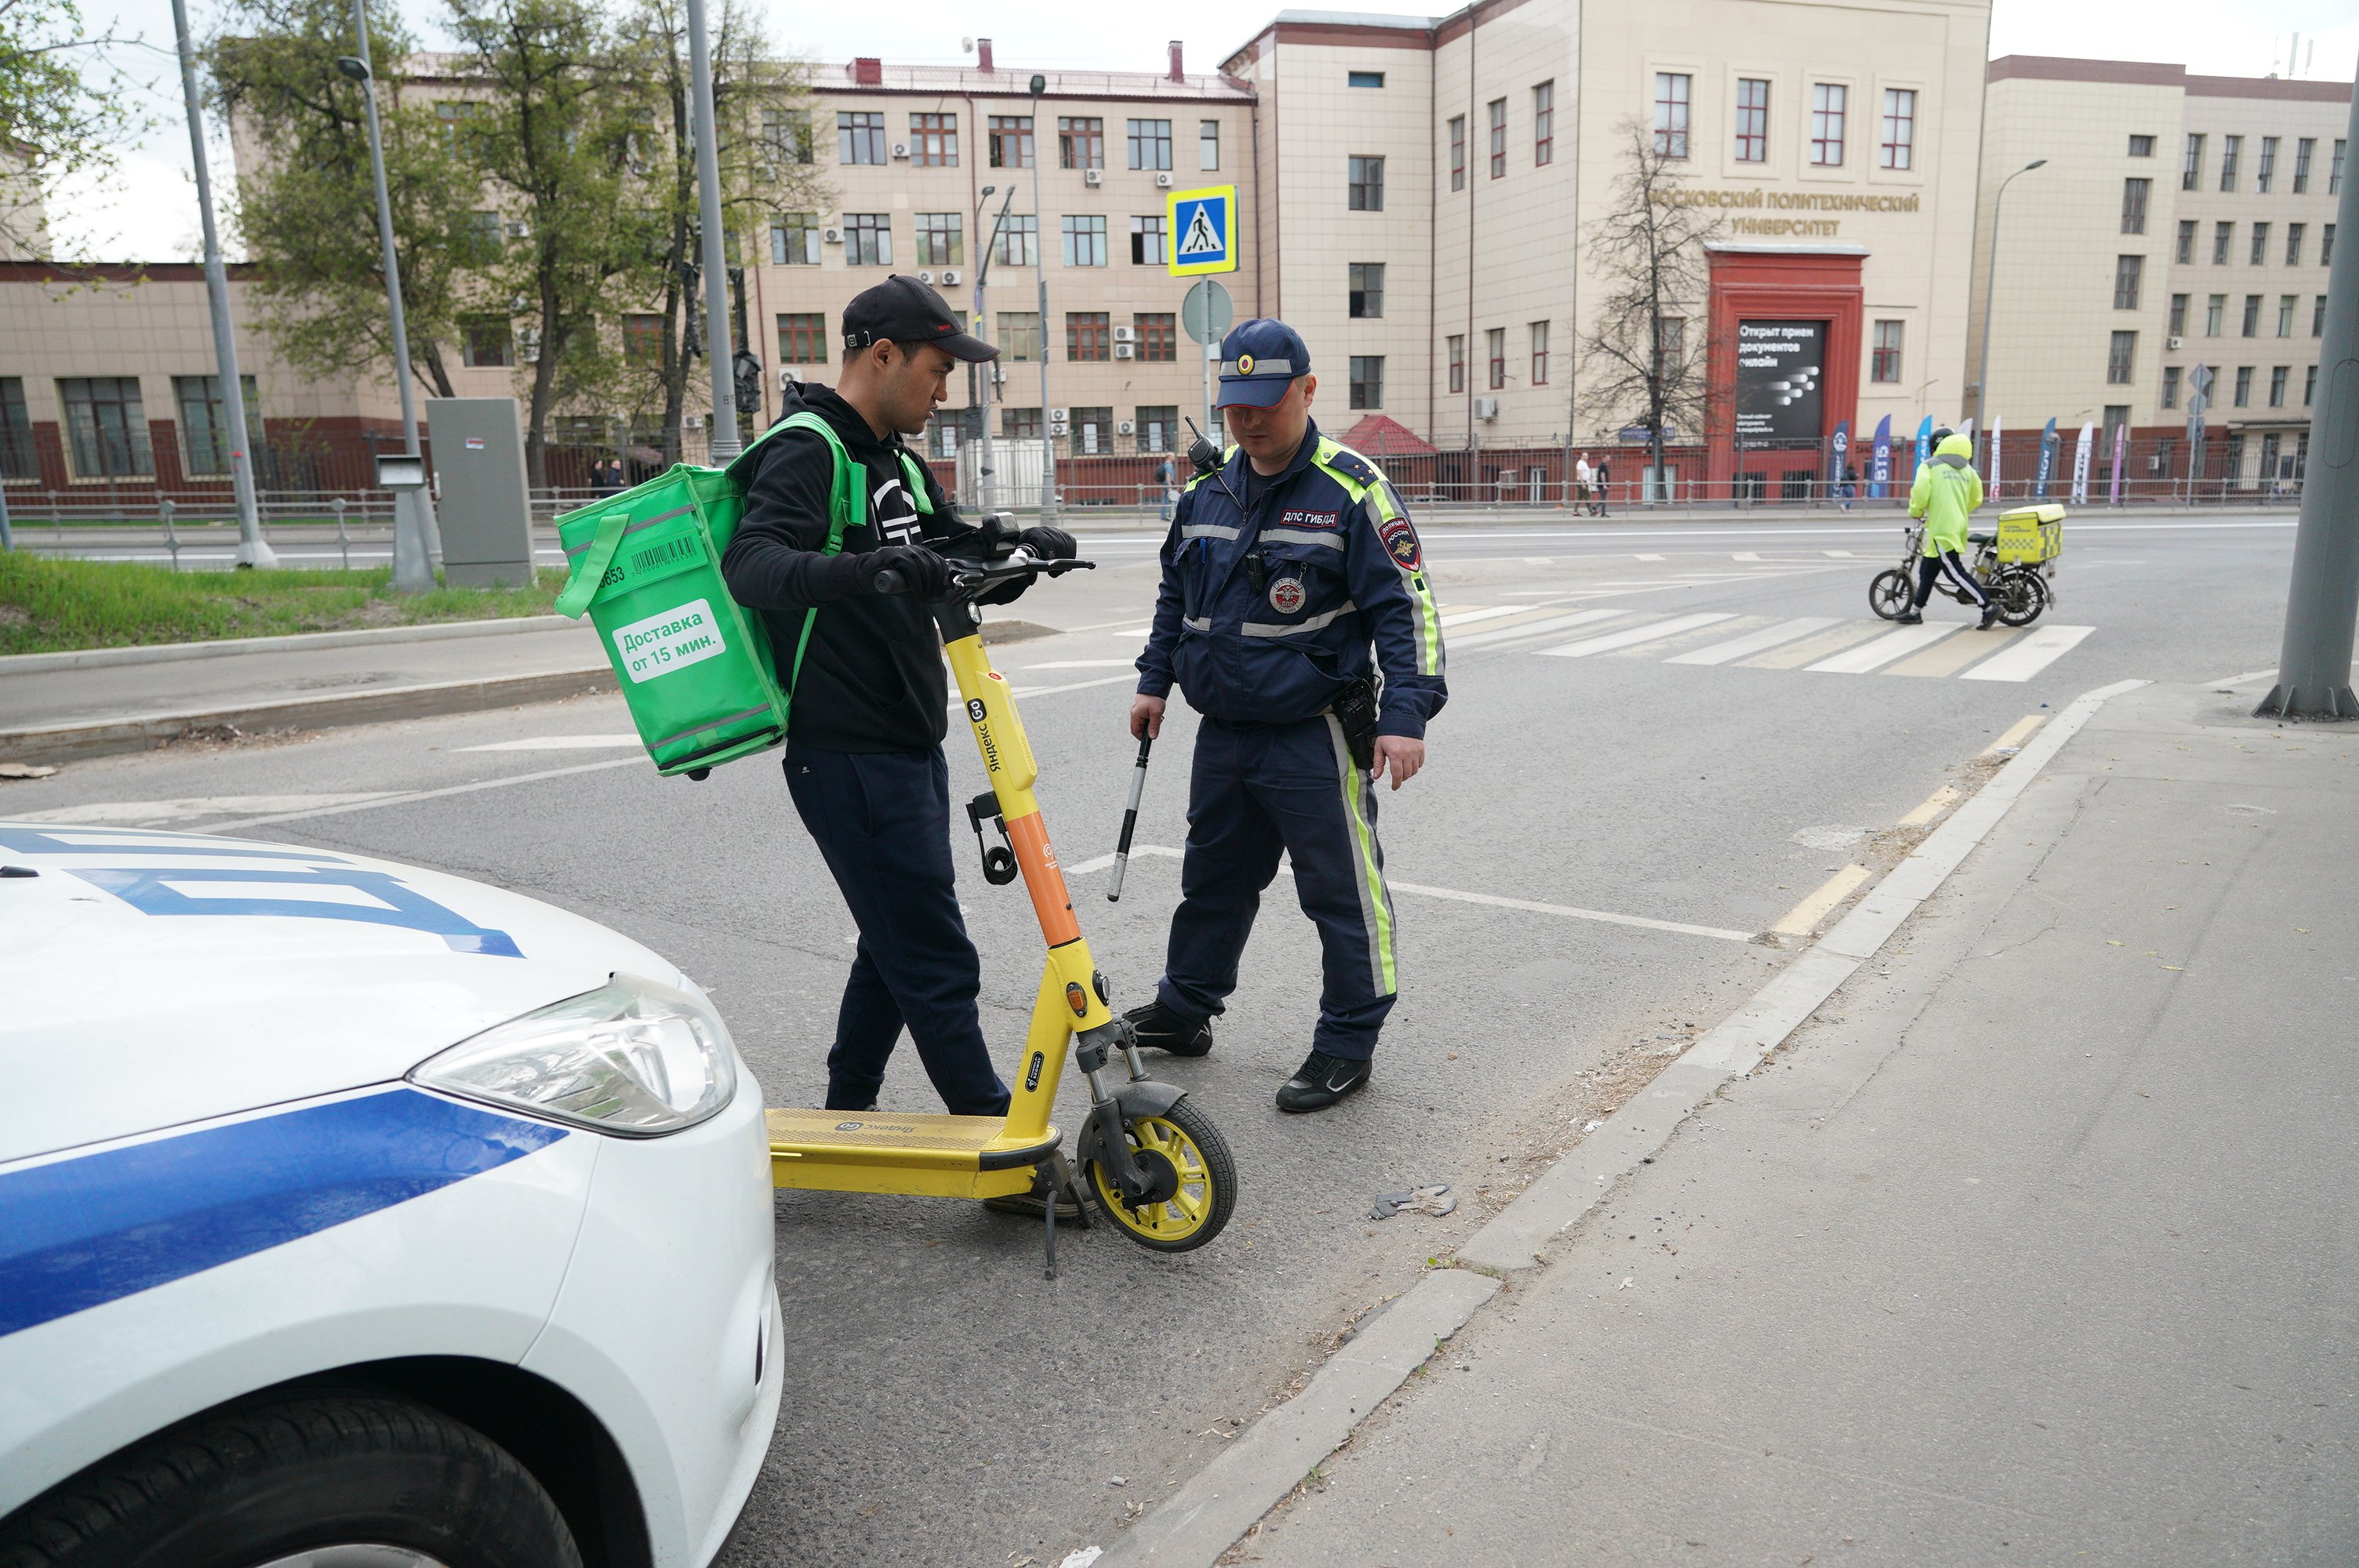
(679, 637)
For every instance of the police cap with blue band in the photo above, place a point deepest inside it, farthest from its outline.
(1259, 359)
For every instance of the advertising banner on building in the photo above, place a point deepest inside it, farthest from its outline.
(1779, 366)
(2080, 463)
(2121, 458)
(1879, 471)
(1839, 453)
(2046, 462)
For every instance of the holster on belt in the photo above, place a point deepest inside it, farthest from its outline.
(1354, 709)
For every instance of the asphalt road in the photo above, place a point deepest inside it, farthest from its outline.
(945, 1403)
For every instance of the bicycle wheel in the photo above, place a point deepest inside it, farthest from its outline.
(2020, 596)
(1891, 593)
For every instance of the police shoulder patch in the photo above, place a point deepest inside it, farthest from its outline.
(1344, 459)
(1400, 539)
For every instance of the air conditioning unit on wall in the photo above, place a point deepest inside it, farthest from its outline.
(1125, 428)
(2173, 343)
(1126, 334)
(830, 236)
(1093, 176)
(1058, 416)
(1163, 181)
(901, 151)
(1486, 409)
(926, 277)
(1126, 350)
(950, 280)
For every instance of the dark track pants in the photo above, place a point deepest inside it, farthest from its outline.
(882, 823)
(1255, 792)
(1948, 564)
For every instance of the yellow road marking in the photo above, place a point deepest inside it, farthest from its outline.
(2016, 734)
(1940, 801)
(1804, 917)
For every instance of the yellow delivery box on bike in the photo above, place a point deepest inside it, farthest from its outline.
(2030, 536)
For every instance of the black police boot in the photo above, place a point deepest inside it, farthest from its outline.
(1034, 1204)
(1321, 1081)
(1910, 617)
(1160, 1028)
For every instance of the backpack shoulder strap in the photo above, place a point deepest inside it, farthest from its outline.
(847, 508)
(915, 472)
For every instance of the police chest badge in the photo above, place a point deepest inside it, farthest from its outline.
(1401, 540)
(1287, 595)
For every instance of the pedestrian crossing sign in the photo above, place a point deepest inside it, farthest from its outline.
(1202, 226)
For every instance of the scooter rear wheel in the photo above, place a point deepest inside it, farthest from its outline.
(2020, 596)
(1185, 1139)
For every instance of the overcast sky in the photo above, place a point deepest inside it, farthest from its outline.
(147, 211)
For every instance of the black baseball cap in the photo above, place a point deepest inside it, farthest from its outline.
(908, 312)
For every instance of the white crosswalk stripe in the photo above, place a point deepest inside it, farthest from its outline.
(1553, 625)
(1631, 635)
(1758, 641)
(1870, 655)
(2030, 654)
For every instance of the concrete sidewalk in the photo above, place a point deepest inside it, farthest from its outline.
(2036, 1244)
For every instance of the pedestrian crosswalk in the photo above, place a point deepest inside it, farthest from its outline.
(1814, 644)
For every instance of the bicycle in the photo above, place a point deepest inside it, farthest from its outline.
(2019, 588)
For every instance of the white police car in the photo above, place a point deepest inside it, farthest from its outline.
(353, 1216)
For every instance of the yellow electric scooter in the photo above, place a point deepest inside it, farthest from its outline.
(1153, 1163)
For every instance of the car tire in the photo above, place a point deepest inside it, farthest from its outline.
(304, 1479)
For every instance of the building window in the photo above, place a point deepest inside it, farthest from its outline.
(2215, 310)
(1367, 287)
(1670, 340)
(2178, 314)
(106, 426)
(1544, 124)
(1458, 152)
(2128, 273)
(2244, 386)
(787, 133)
(1019, 424)
(1020, 338)
(2190, 173)
(1828, 106)
(2222, 233)
(1088, 334)
(1672, 114)
(1363, 78)
(1499, 137)
(1146, 241)
(1884, 364)
(2141, 146)
(2134, 195)
(643, 338)
(1092, 430)
(941, 239)
(2317, 317)
(2326, 245)
(2186, 251)
(485, 340)
(1899, 147)
(859, 136)
(2294, 232)
(2260, 245)
(1081, 141)
(1159, 335)
(794, 240)
(1085, 240)
(933, 141)
(2266, 170)
(2252, 316)
(2121, 359)
(1010, 141)
(1150, 144)
(2334, 169)
(2285, 314)
(2231, 153)
(2301, 154)
(2310, 386)
(1539, 354)
(2277, 374)
(1158, 427)
(1751, 119)
(1457, 347)
(1495, 344)
(18, 458)
(2170, 386)
(1020, 240)
(1367, 380)
(204, 423)
(483, 230)
(868, 239)
(1208, 149)
(803, 338)
(462, 122)
(1365, 177)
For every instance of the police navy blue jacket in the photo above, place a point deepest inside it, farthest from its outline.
(1340, 569)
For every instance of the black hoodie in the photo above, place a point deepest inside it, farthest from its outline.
(873, 678)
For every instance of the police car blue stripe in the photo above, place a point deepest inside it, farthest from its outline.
(78, 1233)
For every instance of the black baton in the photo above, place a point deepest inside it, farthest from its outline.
(1129, 820)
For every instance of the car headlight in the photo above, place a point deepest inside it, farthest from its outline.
(633, 1058)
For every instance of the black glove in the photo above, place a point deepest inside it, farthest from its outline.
(1049, 543)
(923, 573)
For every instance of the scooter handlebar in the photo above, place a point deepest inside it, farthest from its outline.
(970, 577)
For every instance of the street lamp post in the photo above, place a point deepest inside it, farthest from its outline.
(721, 440)
(1041, 259)
(1990, 281)
(252, 550)
(985, 372)
(414, 544)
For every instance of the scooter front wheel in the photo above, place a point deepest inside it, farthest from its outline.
(1183, 1144)
(1890, 593)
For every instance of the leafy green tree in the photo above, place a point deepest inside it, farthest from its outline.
(55, 121)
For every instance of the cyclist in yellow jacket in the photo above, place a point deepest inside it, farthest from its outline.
(1945, 494)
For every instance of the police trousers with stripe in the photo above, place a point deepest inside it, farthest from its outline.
(1257, 791)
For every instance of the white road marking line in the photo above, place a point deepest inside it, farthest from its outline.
(1885, 649)
(189, 809)
(1746, 556)
(1838, 555)
(1078, 665)
(1756, 642)
(2270, 674)
(2030, 655)
(1456, 618)
(956, 704)
(1933, 805)
(1654, 558)
(557, 743)
(2016, 734)
(1804, 917)
(1631, 635)
(1137, 851)
(1532, 629)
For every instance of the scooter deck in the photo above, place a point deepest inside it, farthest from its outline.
(877, 1152)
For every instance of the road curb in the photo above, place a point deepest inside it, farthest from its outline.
(139, 732)
(1256, 1471)
(295, 642)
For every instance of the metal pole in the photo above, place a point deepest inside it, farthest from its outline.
(2314, 666)
(1040, 223)
(416, 542)
(1990, 283)
(989, 369)
(7, 534)
(720, 440)
(252, 549)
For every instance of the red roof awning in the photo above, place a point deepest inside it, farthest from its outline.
(1380, 438)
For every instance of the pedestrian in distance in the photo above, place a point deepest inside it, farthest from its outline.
(863, 758)
(1292, 576)
(1582, 478)
(1847, 485)
(1945, 494)
(1604, 484)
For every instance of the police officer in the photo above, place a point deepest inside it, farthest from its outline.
(1282, 567)
(864, 756)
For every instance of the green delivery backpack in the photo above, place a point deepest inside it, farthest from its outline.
(695, 667)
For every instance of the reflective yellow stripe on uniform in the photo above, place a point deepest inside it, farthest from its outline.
(1368, 864)
(1388, 507)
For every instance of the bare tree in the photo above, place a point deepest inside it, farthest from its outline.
(1638, 360)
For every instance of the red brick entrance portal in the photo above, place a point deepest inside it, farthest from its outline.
(1803, 303)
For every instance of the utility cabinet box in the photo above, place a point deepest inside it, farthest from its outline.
(485, 507)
